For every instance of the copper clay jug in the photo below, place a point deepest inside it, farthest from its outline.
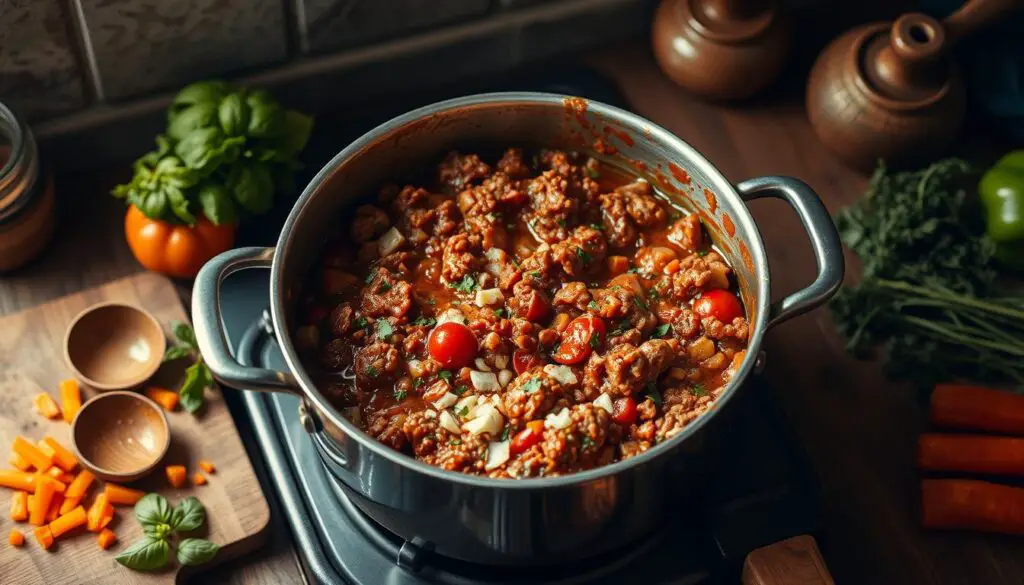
(721, 49)
(890, 91)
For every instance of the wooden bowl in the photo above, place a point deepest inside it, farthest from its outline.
(112, 346)
(120, 436)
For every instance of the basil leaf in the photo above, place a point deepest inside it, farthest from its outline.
(159, 531)
(146, 555)
(179, 205)
(188, 515)
(184, 333)
(297, 128)
(194, 117)
(154, 204)
(200, 146)
(266, 118)
(233, 114)
(252, 187)
(203, 91)
(176, 353)
(191, 392)
(152, 509)
(196, 551)
(216, 204)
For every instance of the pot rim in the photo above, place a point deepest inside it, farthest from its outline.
(643, 127)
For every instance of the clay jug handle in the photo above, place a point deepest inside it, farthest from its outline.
(975, 15)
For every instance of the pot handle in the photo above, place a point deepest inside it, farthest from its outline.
(206, 320)
(828, 249)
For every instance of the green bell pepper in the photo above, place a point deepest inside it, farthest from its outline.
(1002, 196)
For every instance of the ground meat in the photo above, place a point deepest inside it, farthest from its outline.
(572, 295)
(511, 163)
(526, 298)
(583, 251)
(461, 257)
(578, 443)
(654, 259)
(627, 207)
(458, 170)
(715, 329)
(386, 295)
(551, 208)
(696, 274)
(618, 227)
(335, 355)
(677, 416)
(369, 222)
(400, 263)
(422, 433)
(641, 204)
(490, 232)
(466, 453)
(376, 364)
(410, 197)
(625, 304)
(687, 233)
(524, 334)
(530, 396)
(625, 369)
(387, 428)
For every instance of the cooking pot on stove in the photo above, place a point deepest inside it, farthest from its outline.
(540, 520)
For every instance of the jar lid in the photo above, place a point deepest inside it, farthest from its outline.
(19, 166)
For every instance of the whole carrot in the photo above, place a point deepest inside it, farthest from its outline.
(971, 453)
(969, 504)
(972, 407)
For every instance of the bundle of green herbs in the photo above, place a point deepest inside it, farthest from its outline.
(226, 152)
(929, 296)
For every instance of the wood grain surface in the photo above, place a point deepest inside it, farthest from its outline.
(31, 362)
(794, 561)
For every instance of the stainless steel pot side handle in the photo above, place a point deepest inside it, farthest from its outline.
(206, 320)
(828, 249)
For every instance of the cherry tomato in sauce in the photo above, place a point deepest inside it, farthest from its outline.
(582, 336)
(524, 360)
(526, 438)
(538, 309)
(720, 304)
(452, 344)
(624, 411)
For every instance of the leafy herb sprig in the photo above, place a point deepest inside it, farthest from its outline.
(160, 522)
(198, 376)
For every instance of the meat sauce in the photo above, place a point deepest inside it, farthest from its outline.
(522, 317)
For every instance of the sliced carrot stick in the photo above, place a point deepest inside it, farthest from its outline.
(41, 461)
(106, 516)
(969, 504)
(58, 486)
(176, 475)
(106, 538)
(60, 475)
(617, 265)
(70, 399)
(46, 406)
(96, 512)
(53, 512)
(19, 480)
(164, 397)
(68, 522)
(198, 479)
(119, 495)
(19, 462)
(972, 407)
(40, 503)
(44, 536)
(971, 453)
(62, 458)
(80, 485)
(207, 466)
(19, 506)
(15, 538)
(69, 504)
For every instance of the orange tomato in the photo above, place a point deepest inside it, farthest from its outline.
(172, 249)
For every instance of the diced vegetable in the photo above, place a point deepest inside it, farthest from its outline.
(617, 265)
(176, 475)
(80, 485)
(39, 505)
(504, 377)
(501, 361)
(43, 536)
(489, 297)
(497, 454)
(41, 461)
(53, 512)
(487, 420)
(99, 511)
(62, 458)
(68, 522)
(70, 399)
(446, 400)
(481, 365)
(122, 496)
(561, 374)
(19, 462)
(15, 538)
(968, 504)
(198, 479)
(448, 422)
(19, 506)
(624, 411)
(106, 538)
(207, 466)
(581, 337)
(484, 381)
(46, 406)
(528, 437)
(524, 360)
(390, 241)
(605, 402)
(18, 480)
(168, 399)
(451, 315)
(558, 421)
(720, 304)
(972, 407)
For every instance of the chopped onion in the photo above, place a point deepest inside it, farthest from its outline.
(604, 401)
(501, 361)
(504, 377)
(497, 454)
(446, 401)
(487, 420)
(484, 381)
(453, 315)
(390, 241)
(428, 413)
(416, 368)
(467, 403)
(560, 374)
(448, 422)
(558, 421)
(493, 269)
(482, 365)
(495, 254)
(488, 297)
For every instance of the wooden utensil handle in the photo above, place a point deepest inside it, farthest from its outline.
(975, 15)
(794, 561)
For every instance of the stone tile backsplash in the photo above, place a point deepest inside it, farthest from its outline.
(146, 45)
(40, 75)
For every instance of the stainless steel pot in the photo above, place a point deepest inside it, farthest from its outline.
(479, 519)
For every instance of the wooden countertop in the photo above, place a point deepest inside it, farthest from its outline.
(859, 430)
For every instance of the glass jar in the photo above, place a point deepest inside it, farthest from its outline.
(26, 194)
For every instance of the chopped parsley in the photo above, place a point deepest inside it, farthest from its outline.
(425, 321)
(562, 223)
(651, 391)
(597, 227)
(504, 433)
(702, 252)
(383, 287)
(400, 395)
(500, 312)
(460, 389)
(372, 372)
(384, 329)
(445, 375)
(535, 274)
(362, 323)
(640, 303)
(466, 285)
(417, 383)
(582, 255)
(592, 173)
(595, 341)
(662, 330)
(653, 294)
(698, 390)
(532, 385)
(369, 277)
(587, 442)
(462, 412)
(455, 442)
(593, 306)
(622, 327)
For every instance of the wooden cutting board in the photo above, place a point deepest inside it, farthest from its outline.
(31, 361)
